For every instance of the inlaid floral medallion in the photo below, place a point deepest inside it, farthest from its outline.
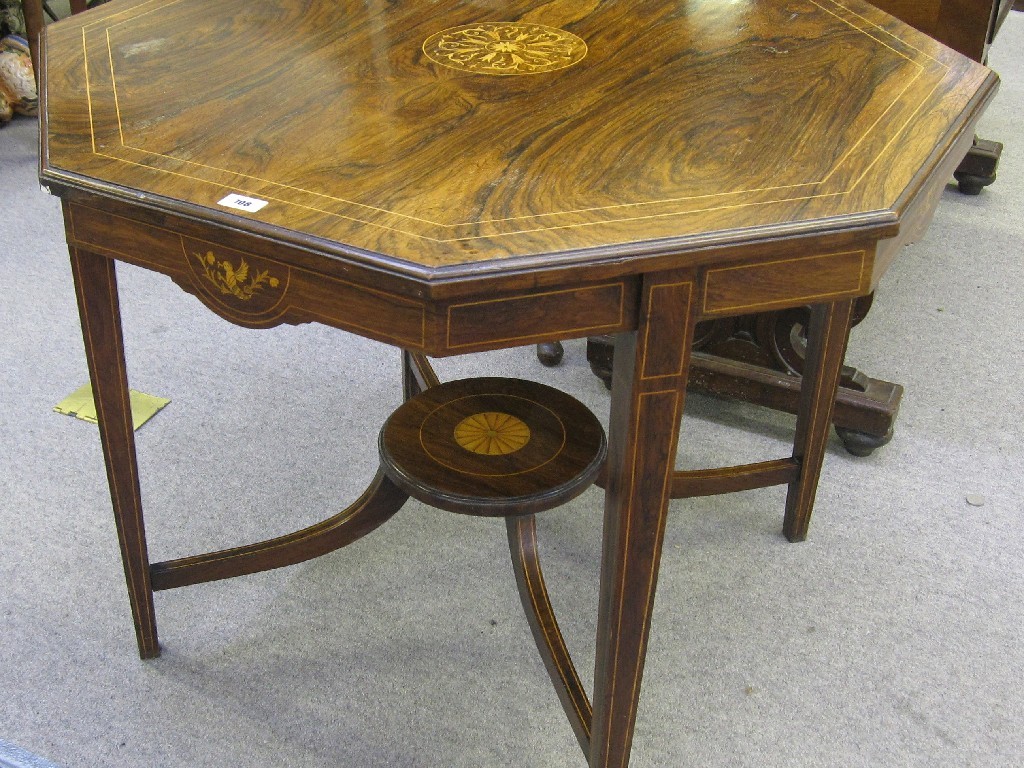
(234, 281)
(505, 48)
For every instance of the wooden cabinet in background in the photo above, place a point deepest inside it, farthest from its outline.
(968, 26)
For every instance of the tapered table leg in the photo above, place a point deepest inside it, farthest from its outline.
(647, 402)
(96, 287)
(826, 347)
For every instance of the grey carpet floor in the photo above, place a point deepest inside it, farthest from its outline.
(892, 637)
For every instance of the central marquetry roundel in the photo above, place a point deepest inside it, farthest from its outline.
(492, 433)
(505, 48)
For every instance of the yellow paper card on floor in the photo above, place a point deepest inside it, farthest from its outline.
(80, 405)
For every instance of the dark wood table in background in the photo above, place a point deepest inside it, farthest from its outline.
(970, 27)
(447, 179)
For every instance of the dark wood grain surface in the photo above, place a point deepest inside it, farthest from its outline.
(683, 123)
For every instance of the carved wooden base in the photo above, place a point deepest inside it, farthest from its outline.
(978, 168)
(864, 413)
(760, 359)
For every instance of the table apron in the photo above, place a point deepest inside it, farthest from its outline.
(256, 290)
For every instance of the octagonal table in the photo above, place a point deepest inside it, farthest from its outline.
(456, 176)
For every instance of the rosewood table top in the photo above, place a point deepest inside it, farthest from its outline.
(455, 176)
(422, 136)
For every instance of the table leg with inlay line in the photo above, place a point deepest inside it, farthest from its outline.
(648, 395)
(96, 288)
(647, 402)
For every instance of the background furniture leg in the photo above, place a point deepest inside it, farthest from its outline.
(978, 168)
(550, 353)
(33, 10)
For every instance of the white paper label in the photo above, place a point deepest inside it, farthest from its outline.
(242, 203)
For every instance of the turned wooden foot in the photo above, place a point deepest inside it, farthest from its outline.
(550, 353)
(860, 443)
(978, 168)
